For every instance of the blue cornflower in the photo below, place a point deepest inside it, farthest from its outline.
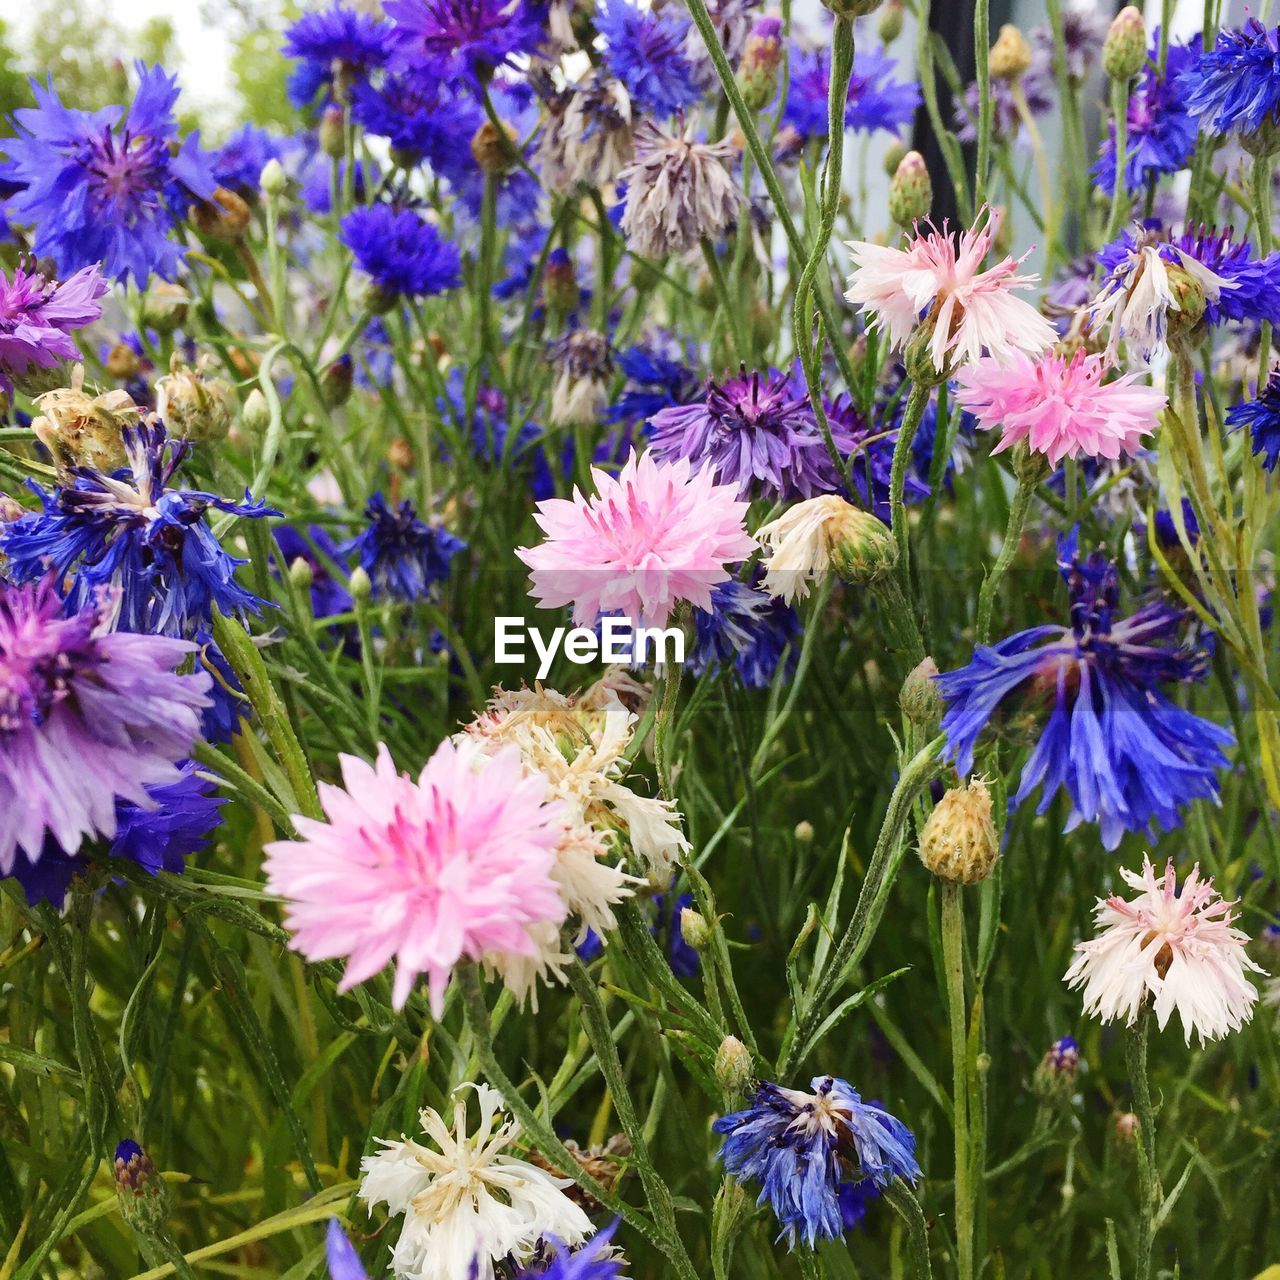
(335, 48)
(1236, 85)
(645, 52)
(401, 252)
(344, 1262)
(403, 557)
(870, 450)
(239, 162)
(449, 39)
(418, 120)
(1161, 131)
(1128, 758)
(107, 186)
(747, 630)
(157, 839)
(876, 100)
(595, 1260)
(321, 554)
(1262, 417)
(317, 181)
(656, 379)
(804, 1147)
(132, 534)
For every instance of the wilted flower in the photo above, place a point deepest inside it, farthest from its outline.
(83, 430)
(679, 192)
(804, 1148)
(652, 536)
(1173, 945)
(195, 406)
(959, 841)
(582, 371)
(587, 135)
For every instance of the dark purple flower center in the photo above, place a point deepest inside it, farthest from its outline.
(41, 654)
(130, 170)
(749, 403)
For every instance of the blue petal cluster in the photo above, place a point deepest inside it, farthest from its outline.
(1262, 417)
(107, 186)
(593, 1261)
(239, 162)
(137, 538)
(645, 51)
(876, 99)
(344, 1262)
(401, 252)
(656, 378)
(1128, 758)
(747, 631)
(322, 556)
(1235, 86)
(804, 1148)
(335, 48)
(462, 39)
(403, 557)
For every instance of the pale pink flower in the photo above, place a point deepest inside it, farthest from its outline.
(973, 310)
(1176, 946)
(1060, 407)
(455, 865)
(655, 534)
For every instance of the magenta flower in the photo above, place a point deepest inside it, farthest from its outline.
(453, 866)
(87, 717)
(1060, 407)
(37, 316)
(655, 534)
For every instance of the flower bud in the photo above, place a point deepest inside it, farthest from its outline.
(920, 699)
(1055, 1078)
(140, 1190)
(852, 8)
(333, 132)
(84, 430)
(804, 832)
(959, 841)
(301, 573)
(1125, 49)
(165, 307)
(911, 191)
(195, 407)
(1010, 55)
(256, 414)
(494, 152)
(336, 382)
(224, 216)
(273, 181)
(694, 929)
(761, 58)
(360, 585)
(889, 27)
(733, 1065)
(1189, 302)
(122, 362)
(1126, 1126)
(893, 156)
(560, 290)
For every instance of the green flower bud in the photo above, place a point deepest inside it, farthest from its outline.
(893, 156)
(920, 699)
(273, 181)
(1010, 55)
(333, 132)
(804, 832)
(301, 574)
(1054, 1082)
(256, 414)
(336, 382)
(165, 306)
(911, 191)
(1125, 49)
(733, 1065)
(852, 8)
(959, 842)
(761, 58)
(695, 930)
(889, 27)
(360, 585)
(140, 1190)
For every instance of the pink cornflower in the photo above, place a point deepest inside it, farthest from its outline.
(1060, 407)
(655, 534)
(1174, 945)
(972, 310)
(455, 865)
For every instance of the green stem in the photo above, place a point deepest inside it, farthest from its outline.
(665, 726)
(907, 1207)
(1120, 193)
(986, 105)
(1135, 1056)
(484, 266)
(1262, 229)
(1022, 496)
(733, 314)
(911, 418)
(953, 966)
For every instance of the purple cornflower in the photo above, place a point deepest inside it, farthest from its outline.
(344, 1262)
(657, 378)
(747, 630)
(321, 555)
(403, 557)
(133, 535)
(870, 451)
(449, 39)
(87, 717)
(1262, 417)
(1235, 87)
(876, 100)
(38, 315)
(1161, 131)
(401, 252)
(239, 162)
(418, 120)
(1006, 120)
(107, 186)
(753, 430)
(335, 48)
(317, 181)
(1128, 758)
(1083, 33)
(158, 837)
(804, 1147)
(645, 52)
(594, 1260)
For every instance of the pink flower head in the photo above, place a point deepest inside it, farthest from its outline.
(1061, 407)
(654, 534)
(973, 310)
(1175, 945)
(457, 864)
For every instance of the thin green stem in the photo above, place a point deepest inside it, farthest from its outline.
(665, 726)
(1021, 504)
(733, 314)
(1135, 1056)
(1262, 229)
(986, 105)
(953, 967)
(1120, 193)
(911, 418)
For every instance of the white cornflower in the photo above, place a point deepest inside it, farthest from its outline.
(587, 136)
(678, 192)
(467, 1201)
(1174, 945)
(581, 388)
